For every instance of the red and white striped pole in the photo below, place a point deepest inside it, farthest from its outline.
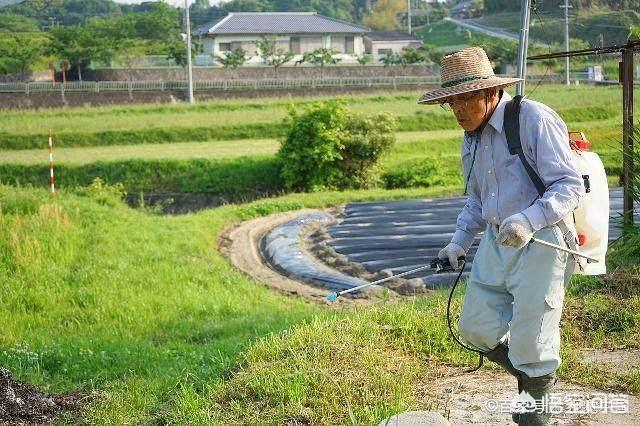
(53, 188)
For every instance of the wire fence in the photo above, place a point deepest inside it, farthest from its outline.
(257, 84)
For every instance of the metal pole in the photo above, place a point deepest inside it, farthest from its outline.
(626, 77)
(566, 8)
(525, 7)
(409, 15)
(189, 64)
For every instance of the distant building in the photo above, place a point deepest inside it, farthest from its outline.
(297, 32)
(379, 43)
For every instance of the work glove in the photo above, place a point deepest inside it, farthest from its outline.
(515, 231)
(452, 252)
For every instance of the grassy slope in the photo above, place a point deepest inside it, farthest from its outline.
(234, 120)
(139, 307)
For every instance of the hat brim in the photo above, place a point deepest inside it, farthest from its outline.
(438, 95)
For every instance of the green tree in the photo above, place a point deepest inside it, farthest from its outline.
(79, 45)
(19, 51)
(271, 54)
(17, 23)
(320, 57)
(385, 15)
(391, 59)
(410, 56)
(234, 58)
(501, 52)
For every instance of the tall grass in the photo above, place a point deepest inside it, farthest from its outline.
(626, 250)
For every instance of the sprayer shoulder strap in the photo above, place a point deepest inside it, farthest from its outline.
(512, 132)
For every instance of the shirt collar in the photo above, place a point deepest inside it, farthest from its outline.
(497, 118)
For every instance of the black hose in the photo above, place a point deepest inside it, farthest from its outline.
(453, 334)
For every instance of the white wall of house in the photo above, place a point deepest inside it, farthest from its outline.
(348, 46)
(379, 48)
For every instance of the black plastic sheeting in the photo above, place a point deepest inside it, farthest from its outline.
(404, 235)
(282, 248)
(397, 236)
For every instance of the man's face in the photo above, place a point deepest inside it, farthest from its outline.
(469, 109)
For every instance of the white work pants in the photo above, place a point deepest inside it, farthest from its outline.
(517, 295)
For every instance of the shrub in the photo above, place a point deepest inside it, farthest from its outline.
(328, 147)
(103, 193)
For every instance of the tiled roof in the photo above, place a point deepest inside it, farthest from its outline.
(279, 23)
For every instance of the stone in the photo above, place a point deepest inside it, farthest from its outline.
(416, 418)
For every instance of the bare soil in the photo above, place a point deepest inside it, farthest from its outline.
(23, 404)
(468, 398)
(619, 361)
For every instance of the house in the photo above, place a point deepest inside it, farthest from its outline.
(297, 32)
(379, 43)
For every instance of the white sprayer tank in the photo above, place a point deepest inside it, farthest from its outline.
(592, 214)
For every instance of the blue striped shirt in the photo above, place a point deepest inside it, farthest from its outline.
(499, 185)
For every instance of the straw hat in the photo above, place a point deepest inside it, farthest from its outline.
(464, 71)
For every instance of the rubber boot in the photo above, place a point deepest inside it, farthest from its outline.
(500, 355)
(539, 388)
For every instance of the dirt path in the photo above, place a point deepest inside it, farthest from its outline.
(470, 398)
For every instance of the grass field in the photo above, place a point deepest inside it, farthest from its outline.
(184, 152)
(144, 312)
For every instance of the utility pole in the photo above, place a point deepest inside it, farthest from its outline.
(409, 15)
(525, 14)
(566, 8)
(626, 78)
(189, 64)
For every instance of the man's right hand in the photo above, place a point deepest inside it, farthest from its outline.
(452, 252)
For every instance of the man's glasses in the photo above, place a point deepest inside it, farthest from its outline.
(448, 105)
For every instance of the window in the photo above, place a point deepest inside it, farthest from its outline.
(311, 43)
(384, 51)
(338, 43)
(294, 44)
(348, 44)
(225, 47)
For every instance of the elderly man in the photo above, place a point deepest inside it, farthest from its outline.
(515, 291)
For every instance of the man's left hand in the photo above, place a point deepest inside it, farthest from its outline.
(515, 231)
